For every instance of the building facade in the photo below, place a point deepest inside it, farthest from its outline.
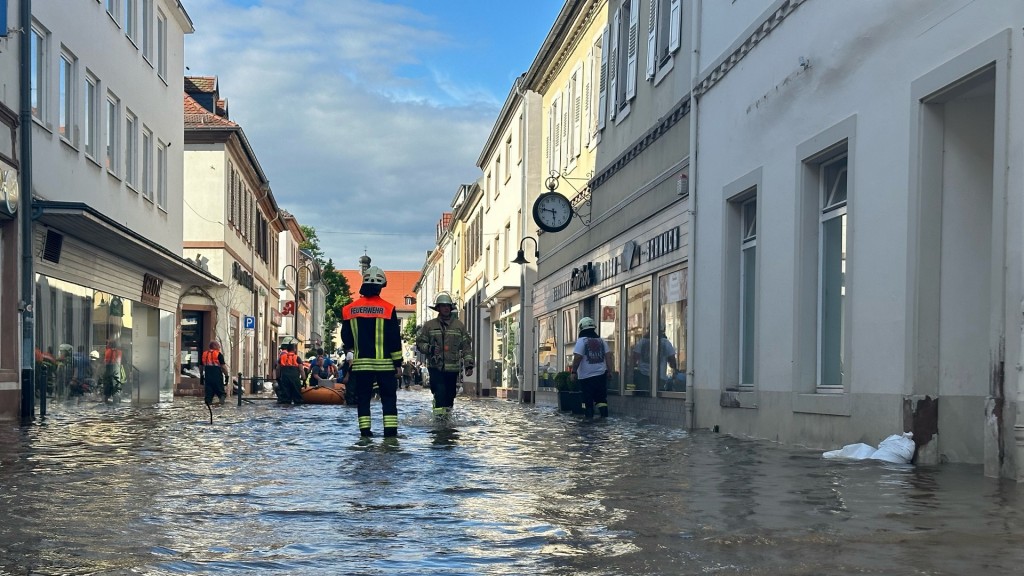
(107, 126)
(857, 265)
(232, 228)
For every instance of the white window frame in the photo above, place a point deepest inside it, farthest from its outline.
(748, 293)
(831, 209)
(131, 149)
(131, 20)
(147, 30)
(91, 116)
(40, 62)
(67, 97)
(161, 40)
(114, 11)
(498, 180)
(602, 83)
(147, 163)
(508, 157)
(161, 175)
(113, 150)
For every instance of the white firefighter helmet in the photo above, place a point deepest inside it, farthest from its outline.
(587, 323)
(442, 298)
(375, 276)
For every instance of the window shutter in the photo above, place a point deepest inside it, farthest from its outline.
(588, 91)
(556, 137)
(566, 109)
(675, 25)
(652, 40)
(551, 130)
(577, 123)
(602, 82)
(613, 65)
(631, 49)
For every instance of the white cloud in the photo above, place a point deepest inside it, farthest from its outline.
(354, 124)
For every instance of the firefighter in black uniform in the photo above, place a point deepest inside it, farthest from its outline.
(289, 376)
(215, 371)
(370, 329)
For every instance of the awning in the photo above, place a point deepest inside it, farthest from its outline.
(88, 225)
(504, 293)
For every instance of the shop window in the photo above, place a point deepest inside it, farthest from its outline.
(609, 330)
(670, 355)
(570, 317)
(547, 351)
(638, 339)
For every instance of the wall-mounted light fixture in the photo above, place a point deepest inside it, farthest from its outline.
(521, 255)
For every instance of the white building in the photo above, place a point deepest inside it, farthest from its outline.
(107, 151)
(858, 263)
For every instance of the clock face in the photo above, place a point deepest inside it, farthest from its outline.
(552, 212)
(9, 189)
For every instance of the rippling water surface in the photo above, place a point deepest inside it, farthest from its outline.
(510, 489)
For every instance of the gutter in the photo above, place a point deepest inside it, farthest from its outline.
(25, 169)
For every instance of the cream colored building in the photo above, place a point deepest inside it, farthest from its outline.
(624, 260)
(231, 228)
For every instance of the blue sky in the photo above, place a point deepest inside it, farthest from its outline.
(366, 115)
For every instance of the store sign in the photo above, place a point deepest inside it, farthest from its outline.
(289, 308)
(151, 286)
(275, 318)
(633, 254)
(242, 276)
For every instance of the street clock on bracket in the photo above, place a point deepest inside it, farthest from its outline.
(552, 212)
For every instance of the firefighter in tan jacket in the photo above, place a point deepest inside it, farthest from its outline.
(449, 350)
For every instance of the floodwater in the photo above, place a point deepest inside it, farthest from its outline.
(511, 489)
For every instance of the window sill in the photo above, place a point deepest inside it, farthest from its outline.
(622, 114)
(827, 404)
(664, 70)
(738, 399)
(93, 160)
(68, 143)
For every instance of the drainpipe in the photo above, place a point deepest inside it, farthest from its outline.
(25, 168)
(692, 191)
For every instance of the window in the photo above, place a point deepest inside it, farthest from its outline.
(113, 134)
(161, 45)
(508, 239)
(554, 134)
(147, 30)
(663, 33)
(131, 18)
(161, 175)
(748, 290)
(574, 114)
(622, 59)
(570, 318)
(113, 9)
(547, 352)
(522, 135)
(40, 72)
(490, 188)
(508, 156)
(147, 163)
(497, 172)
(91, 121)
(602, 92)
(66, 95)
(609, 330)
(670, 354)
(638, 338)
(832, 273)
(131, 149)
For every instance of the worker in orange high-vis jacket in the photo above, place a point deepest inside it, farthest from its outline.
(370, 329)
(289, 375)
(215, 372)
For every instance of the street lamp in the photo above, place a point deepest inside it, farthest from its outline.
(521, 255)
(295, 299)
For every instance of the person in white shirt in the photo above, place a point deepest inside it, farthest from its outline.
(591, 364)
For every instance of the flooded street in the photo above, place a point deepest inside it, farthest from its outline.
(510, 490)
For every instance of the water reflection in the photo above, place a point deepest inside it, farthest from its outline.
(507, 490)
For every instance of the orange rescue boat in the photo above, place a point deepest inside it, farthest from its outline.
(333, 393)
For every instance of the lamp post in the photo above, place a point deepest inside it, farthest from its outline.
(521, 260)
(295, 297)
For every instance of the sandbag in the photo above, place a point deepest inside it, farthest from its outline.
(898, 449)
(859, 451)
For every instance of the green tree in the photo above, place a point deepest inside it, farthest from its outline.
(409, 333)
(338, 292)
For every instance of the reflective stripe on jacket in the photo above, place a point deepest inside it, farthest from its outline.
(211, 358)
(370, 329)
(447, 345)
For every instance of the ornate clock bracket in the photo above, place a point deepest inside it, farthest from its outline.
(581, 206)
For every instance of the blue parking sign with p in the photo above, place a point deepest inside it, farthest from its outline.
(250, 322)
